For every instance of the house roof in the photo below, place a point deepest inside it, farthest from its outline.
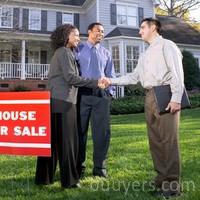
(62, 2)
(173, 28)
(177, 30)
(119, 31)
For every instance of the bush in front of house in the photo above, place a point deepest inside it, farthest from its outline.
(135, 104)
(195, 100)
(134, 90)
(21, 88)
(191, 71)
(127, 105)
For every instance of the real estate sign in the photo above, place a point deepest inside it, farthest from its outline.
(25, 123)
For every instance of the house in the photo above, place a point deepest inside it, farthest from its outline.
(25, 27)
(180, 32)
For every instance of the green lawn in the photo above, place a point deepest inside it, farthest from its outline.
(129, 164)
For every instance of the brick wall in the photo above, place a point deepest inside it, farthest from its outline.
(13, 85)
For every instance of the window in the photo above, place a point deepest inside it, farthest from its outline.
(132, 55)
(6, 17)
(127, 15)
(34, 19)
(115, 57)
(67, 18)
(34, 57)
(5, 55)
(119, 91)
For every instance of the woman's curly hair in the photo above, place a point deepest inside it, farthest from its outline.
(60, 35)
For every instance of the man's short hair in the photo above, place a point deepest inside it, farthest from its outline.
(154, 21)
(91, 26)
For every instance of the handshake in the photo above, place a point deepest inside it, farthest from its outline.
(104, 82)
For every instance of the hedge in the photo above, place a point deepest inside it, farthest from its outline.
(135, 104)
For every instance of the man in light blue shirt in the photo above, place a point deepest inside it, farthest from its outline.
(95, 62)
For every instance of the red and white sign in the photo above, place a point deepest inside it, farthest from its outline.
(25, 123)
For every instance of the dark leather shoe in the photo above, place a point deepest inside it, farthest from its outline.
(100, 172)
(168, 194)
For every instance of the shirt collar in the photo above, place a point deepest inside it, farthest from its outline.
(90, 45)
(156, 39)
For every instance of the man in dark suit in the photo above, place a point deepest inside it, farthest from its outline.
(95, 62)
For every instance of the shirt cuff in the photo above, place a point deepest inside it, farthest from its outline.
(113, 81)
(176, 97)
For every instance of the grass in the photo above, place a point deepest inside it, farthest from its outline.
(129, 164)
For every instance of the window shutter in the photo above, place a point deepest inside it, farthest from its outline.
(76, 20)
(43, 57)
(26, 56)
(113, 14)
(15, 56)
(25, 19)
(44, 20)
(140, 14)
(16, 18)
(59, 19)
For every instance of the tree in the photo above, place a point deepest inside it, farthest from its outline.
(191, 71)
(195, 25)
(178, 8)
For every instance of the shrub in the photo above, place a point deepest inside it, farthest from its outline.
(135, 104)
(195, 100)
(20, 88)
(191, 71)
(127, 105)
(134, 90)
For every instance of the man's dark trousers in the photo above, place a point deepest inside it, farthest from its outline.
(94, 106)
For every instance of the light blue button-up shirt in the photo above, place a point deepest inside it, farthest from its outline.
(95, 63)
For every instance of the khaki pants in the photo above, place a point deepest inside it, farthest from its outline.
(163, 142)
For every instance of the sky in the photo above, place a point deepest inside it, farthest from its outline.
(195, 14)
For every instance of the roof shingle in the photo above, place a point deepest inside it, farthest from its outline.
(173, 28)
(119, 31)
(177, 30)
(62, 2)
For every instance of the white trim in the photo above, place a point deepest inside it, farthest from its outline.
(119, 2)
(143, 47)
(97, 7)
(23, 59)
(138, 38)
(156, 3)
(38, 101)
(25, 145)
(122, 37)
(188, 45)
(122, 58)
(24, 36)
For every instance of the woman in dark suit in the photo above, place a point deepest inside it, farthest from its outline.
(63, 82)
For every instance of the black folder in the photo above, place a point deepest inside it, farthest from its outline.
(163, 96)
